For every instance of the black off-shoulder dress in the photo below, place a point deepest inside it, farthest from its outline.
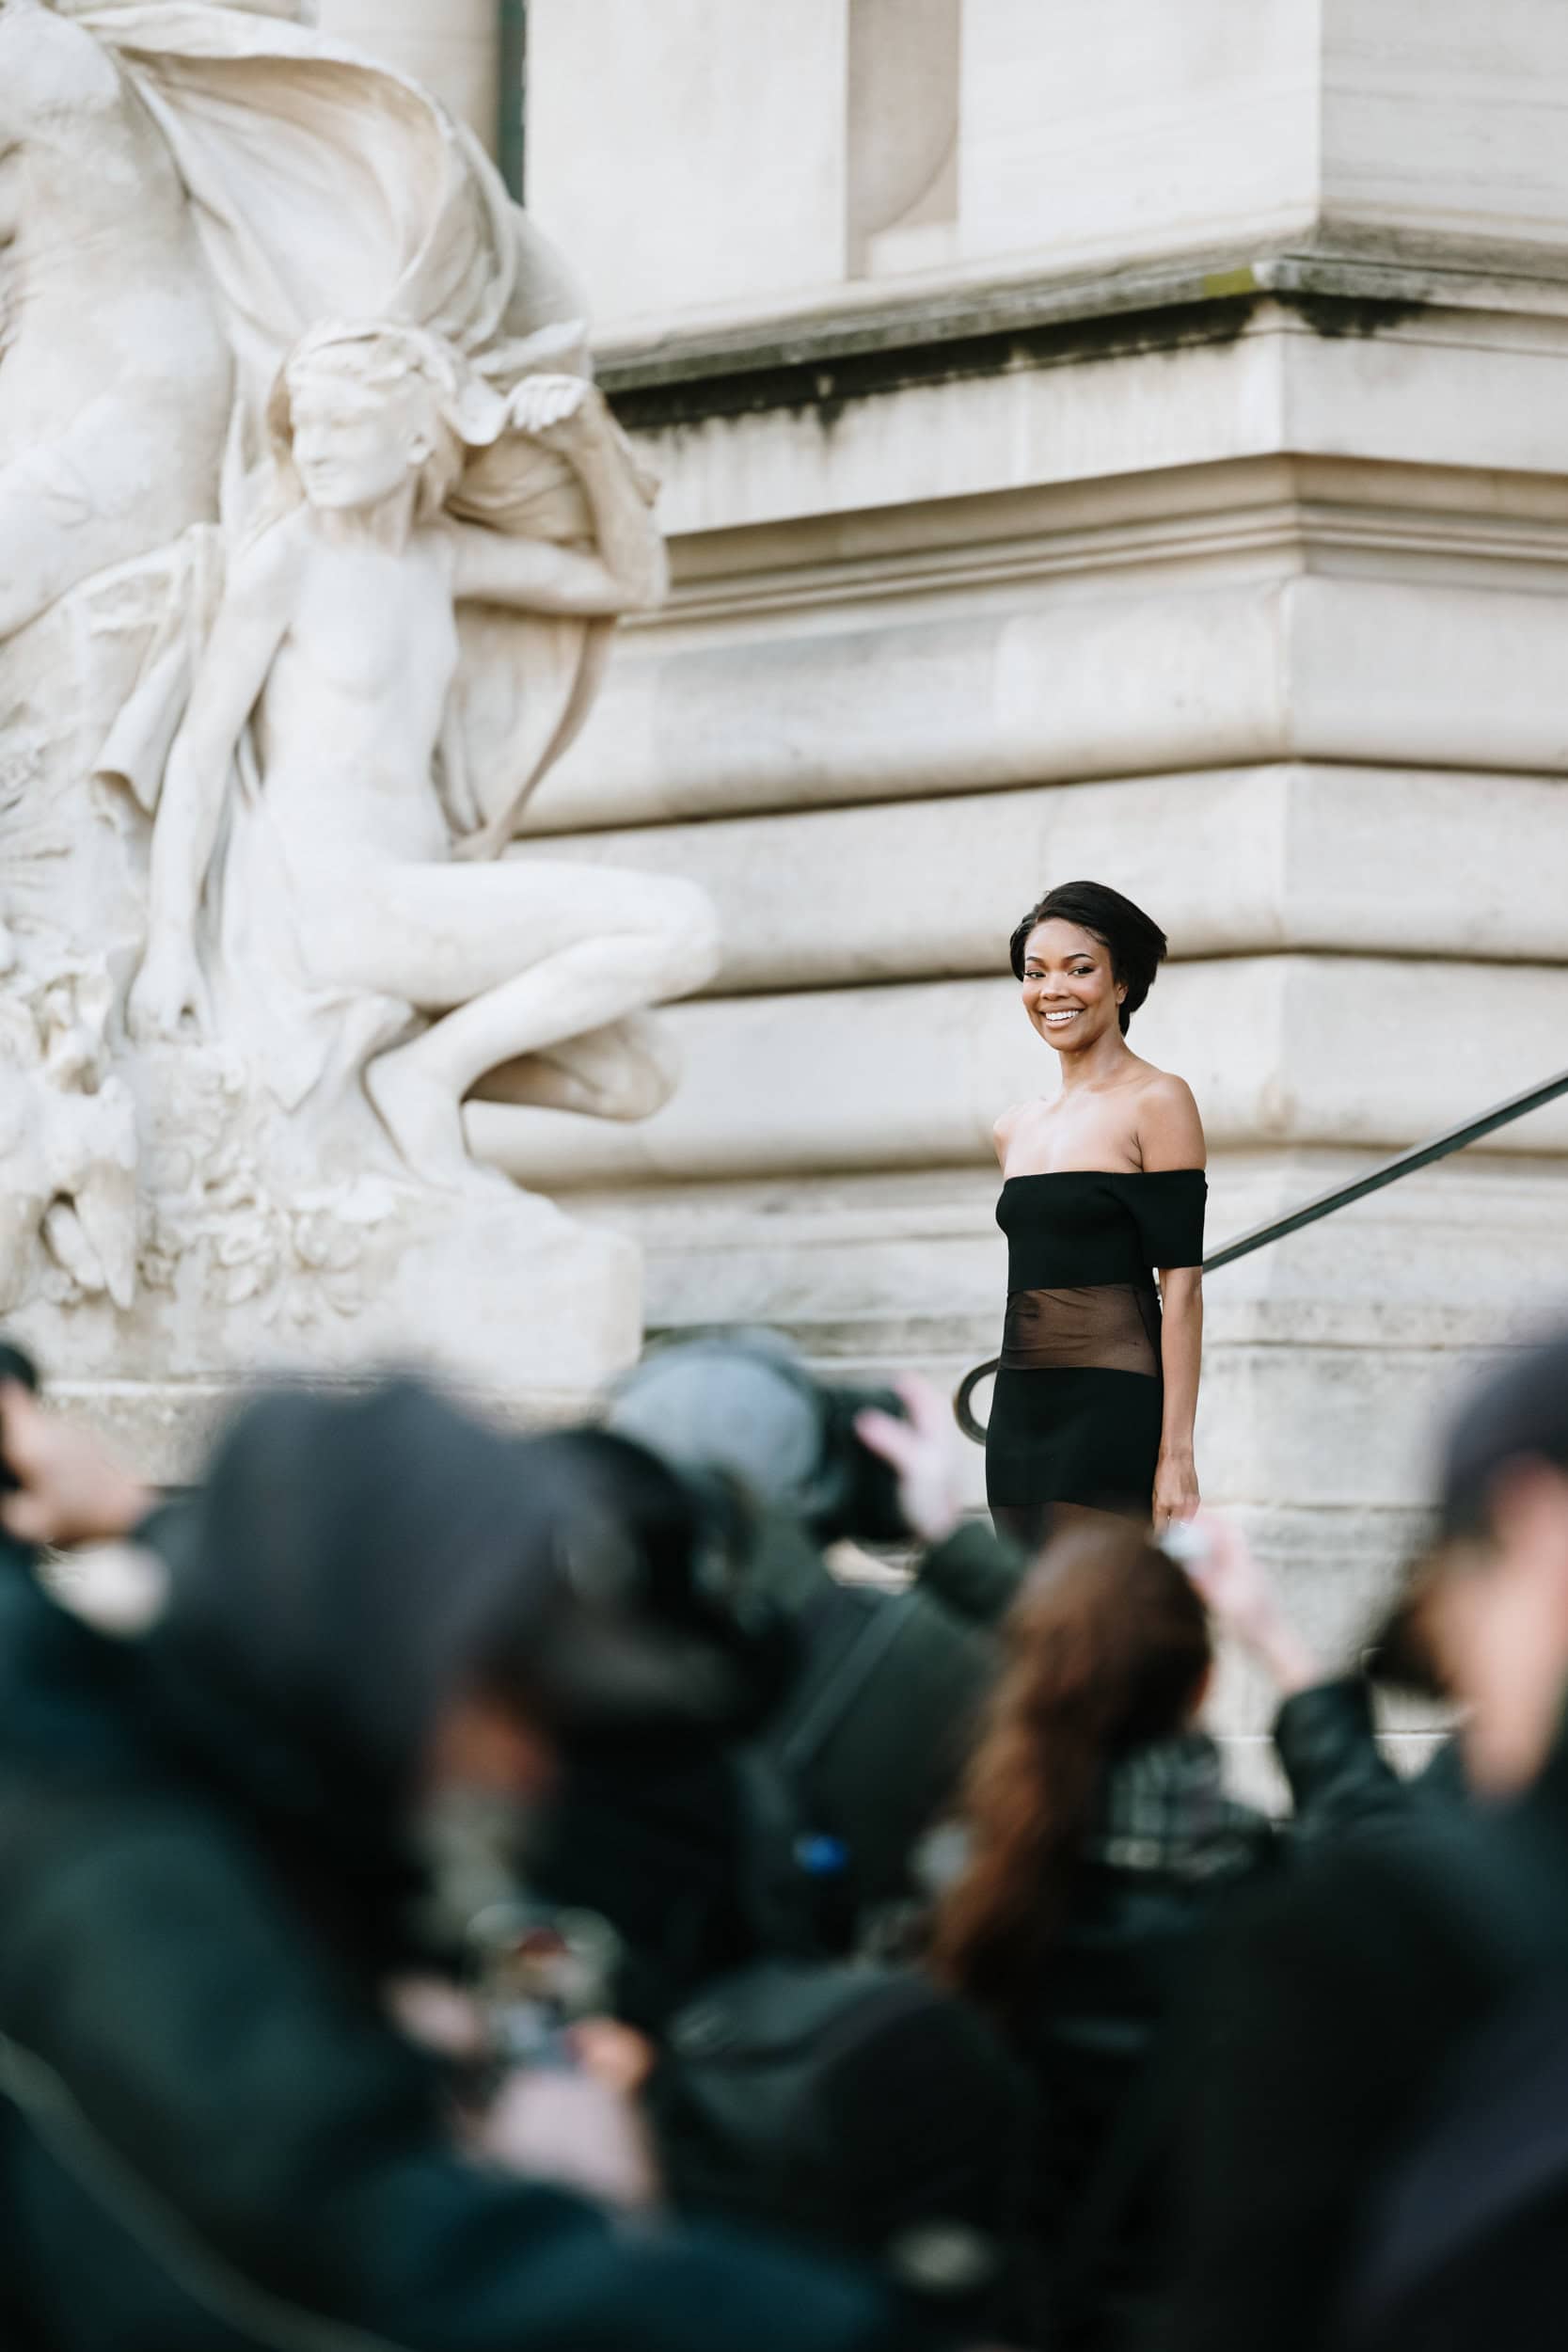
(1079, 1395)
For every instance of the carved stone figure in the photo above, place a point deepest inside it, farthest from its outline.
(315, 532)
(67, 1143)
(337, 647)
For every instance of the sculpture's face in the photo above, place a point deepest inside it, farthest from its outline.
(354, 444)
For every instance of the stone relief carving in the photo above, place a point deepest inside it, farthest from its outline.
(68, 1144)
(319, 715)
(316, 532)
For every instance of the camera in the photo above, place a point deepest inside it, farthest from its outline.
(745, 1403)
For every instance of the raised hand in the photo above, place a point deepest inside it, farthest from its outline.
(167, 992)
(924, 1454)
(559, 410)
(1240, 1597)
(68, 1488)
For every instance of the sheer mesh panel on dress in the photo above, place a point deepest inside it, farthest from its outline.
(1105, 1327)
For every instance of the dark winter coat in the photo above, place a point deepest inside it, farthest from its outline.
(877, 1732)
(209, 2135)
(1169, 1856)
(1331, 2016)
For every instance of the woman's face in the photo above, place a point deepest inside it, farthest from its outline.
(1071, 992)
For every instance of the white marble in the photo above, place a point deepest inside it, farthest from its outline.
(269, 722)
(319, 746)
(1230, 609)
(455, 50)
(954, 142)
(1445, 122)
(116, 382)
(1450, 384)
(1239, 860)
(1089, 131)
(728, 124)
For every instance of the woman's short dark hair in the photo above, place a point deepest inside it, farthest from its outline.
(1137, 945)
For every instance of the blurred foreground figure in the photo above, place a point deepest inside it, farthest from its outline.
(209, 2133)
(877, 1723)
(1099, 1843)
(802, 2076)
(1380, 2160)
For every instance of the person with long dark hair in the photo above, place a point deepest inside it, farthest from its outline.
(1098, 1841)
(1103, 1200)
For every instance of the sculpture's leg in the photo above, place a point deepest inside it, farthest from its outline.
(618, 943)
(627, 1070)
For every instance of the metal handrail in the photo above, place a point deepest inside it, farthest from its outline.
(1341, 1197)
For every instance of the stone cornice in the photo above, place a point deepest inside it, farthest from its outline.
(876, 338)
(1344, 514)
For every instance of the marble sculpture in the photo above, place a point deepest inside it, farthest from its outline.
(315, 534)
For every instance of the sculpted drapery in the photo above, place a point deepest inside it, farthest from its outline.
(189, 191)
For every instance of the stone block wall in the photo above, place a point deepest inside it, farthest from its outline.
(1165, 482)
(1107, 438)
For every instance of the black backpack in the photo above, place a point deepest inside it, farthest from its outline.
(852, 2105)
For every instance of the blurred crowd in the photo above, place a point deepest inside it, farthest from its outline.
(464, 1888)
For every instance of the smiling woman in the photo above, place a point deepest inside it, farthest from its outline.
(1103, 1203)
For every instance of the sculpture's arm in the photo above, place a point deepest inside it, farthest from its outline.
(250, 625)
(625, 571)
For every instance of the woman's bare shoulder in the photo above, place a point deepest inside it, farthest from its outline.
(1170, 1128)
(1008, 1125)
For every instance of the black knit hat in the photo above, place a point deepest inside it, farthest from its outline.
(1516, 1414)
(1519, 1414)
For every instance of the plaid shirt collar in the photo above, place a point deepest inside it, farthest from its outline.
(1164, 1808)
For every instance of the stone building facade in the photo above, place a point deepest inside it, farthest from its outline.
(1110, 438)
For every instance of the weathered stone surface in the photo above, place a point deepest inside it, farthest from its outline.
(268, 723)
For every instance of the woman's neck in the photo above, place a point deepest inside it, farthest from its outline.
(1099, 1064)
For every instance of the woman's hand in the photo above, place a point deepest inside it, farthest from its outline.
(923, 1453)
(1242, 1603)
(1176, 1495)
(66, 1488)
(580, 2128)
(167, 988)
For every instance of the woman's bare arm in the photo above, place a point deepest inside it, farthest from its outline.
(1176, 1489)
(1170, 1135)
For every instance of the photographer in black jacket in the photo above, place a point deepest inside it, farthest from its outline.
(1343, 2006)
(877, 1723)
(211, 2135)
